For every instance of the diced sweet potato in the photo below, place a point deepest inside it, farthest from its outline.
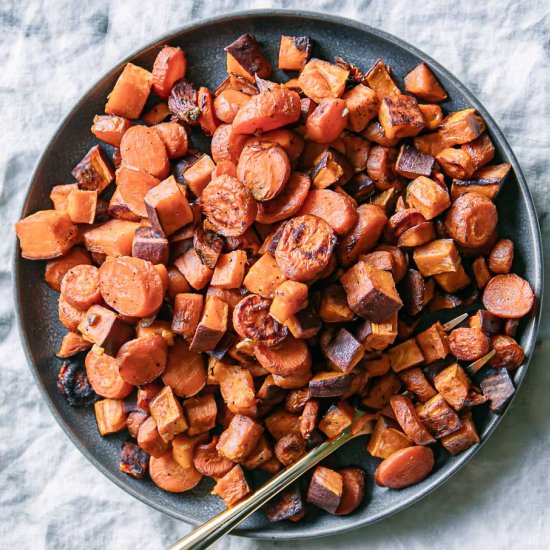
(130, 92)
(156, 114)
(482, 274)
(386, 439)
(229, 270)
(422, 83)
(411, 163)
(463, 438)
(304, 324)
(264, 277)
(453, 280)
(438, 417)
(343, 351)
(497, 386)
(481, 150)
(380, 80)
(371, 292)
(325, 489)
(433, 343)
(168, 414)
(113, 238)
(72, 344)
(331, 167)
(110, 128)
(133, 460)
(486, 181)
(377, 366)
(286, 505)
(455, 163)
(289, 449)
(194, 271)
(431, 144)
(439, 256)
(308, 418)
(199, 174)
(381, 390)
(170, 65)
(232, 487)
(150, 440)
(405, 355)
(433, 116)
(261, 453)
(290, 297)
(281, 423)
(400, 116)
(453, 384)
(428, 197)
(245, 58)
(461, 127)
(337, 419)
(380, 166)
(362, 104)
(417, 384)
(237, 389)
(378, 336)
(294, 52)
(200, 412)
(321, 79)
(330, 384)
(110, 416)
(333, 306)
(59, 194)
(212, 325)
(46, 234)
(149, 245)
(240, 438)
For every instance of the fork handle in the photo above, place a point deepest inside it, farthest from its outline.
(215, 528)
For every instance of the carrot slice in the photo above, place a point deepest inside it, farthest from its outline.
(508, 296)
(167, 474)
(103, 375)
(143, 149)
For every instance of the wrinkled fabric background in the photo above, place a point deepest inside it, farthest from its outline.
(50, 52)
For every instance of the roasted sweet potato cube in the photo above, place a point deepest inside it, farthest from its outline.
(81, 205)
(282, 422)
(232, 487)
(455, 163)
(428, 197)
(60, 193)
(463, 438)
(245, 58)
(439, 256)
(146, 393)
(261, 453)
(433, 116)
(461, 127)
(149, 245)
(481, 150)
(343, 351)
(305, 323)
(264, 277)
(430, 144)
(381, 389)
(362, 104)
(287, 504)
(201, 413)
(194, 271)
(237, 389)
(94, 172)
(380, 80)
(113, 238)
(104, 328)
(110, 416)
(150, 440)
(453, 280)
(386, 439)
(290, 448)
(333, 306)
(198, 174)
(417, 384)
(381, 259)
(308, 418)
(325, 489)
(378, 336)
(422, 83)
(497, 386)
(156, 114)
(371, 292)
(337, 419)
(118, 209)
(400, 116)
(271, 466)
(72, 344)
(183, 448)
(46, 234)
(380, 166)
(294, 52)
(376, 366)
(412, 163)
(482, 274)
(168, 414)
(330, 384)
(331, 167)
(433, 343)
(487, 181)
(405, 355)
(110, 128)
(130, 92)
(187, 312)
(240, 438)
(167, 207)
(290, 297)
(453, 384)
(438, 417)
(229, 270)
(487, 322)
(212, 325)
(133, 460)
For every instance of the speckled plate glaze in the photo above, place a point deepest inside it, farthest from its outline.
(203, 43)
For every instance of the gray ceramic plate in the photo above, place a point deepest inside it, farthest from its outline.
(203, 43)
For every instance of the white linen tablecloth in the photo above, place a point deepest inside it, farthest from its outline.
(50, 52)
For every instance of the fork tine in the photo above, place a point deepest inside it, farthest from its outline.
(454, 322)
(476, 365)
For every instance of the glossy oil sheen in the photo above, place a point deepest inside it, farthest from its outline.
(203, 43)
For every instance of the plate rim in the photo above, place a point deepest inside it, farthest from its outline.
(438, 69)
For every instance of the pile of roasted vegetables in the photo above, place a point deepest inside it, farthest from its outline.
(231, 308)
